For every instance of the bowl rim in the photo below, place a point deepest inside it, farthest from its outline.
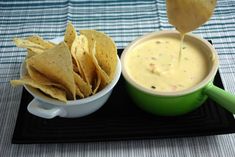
(151, 35)
(86, 100)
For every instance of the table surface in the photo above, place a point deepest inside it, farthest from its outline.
(123, 20)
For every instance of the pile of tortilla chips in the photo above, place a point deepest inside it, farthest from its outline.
(76, 68)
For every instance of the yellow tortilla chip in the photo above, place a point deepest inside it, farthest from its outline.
(56, 64)
(26, 44)
(30, 53)
(50, 90)
(36, 75)
(40, 41)
(42, 79)
(102, 74)
(70, 35)
(71, 39)
(97, 82)
(84, 87)
(33, 51)
(32, 48)
(106, 50)
(77, 66)
(84, 59)
(187, 15)
(78, 92)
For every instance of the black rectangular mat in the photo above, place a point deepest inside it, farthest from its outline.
(121, 119)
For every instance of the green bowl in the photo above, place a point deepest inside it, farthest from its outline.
(166, 105)
(180, 102)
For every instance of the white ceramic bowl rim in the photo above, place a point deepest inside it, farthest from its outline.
(91, 98)
(200, 85)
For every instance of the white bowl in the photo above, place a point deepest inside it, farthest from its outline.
(47, 107)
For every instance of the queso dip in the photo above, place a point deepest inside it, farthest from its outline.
(155, 64)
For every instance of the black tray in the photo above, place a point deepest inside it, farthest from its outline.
(120, 119)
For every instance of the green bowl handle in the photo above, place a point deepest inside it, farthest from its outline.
(223, 98)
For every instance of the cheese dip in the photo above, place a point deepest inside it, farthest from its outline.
(155, 64)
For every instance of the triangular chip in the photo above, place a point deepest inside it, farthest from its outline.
(84, 59)
(32, 48)
(56, 64)
(36, 75)
(76, 63)
(106, 50)
(40, 41)
(70, 35)
(78, 92)
(30, 53)
(84, 87)
(50, 90)
(102, 74)
(71, 39)
(187, 15)
(23, 43)
(97, 82)
(75, 67)
(42, 79)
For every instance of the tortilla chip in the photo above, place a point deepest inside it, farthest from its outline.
(30, 53)
(26, 44)
(106, 50)
(76, 63)
(32, 48)
(101, 73)
(75, 68)
(84, 87)
(70, 35)
(79, 93)
(36, 75)
(71, 39)
(42, 79)
(187, 15)
(33, 51)
(56, 64)
(84, 59)
(40, 41)
(97, 82)
(50, 90)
